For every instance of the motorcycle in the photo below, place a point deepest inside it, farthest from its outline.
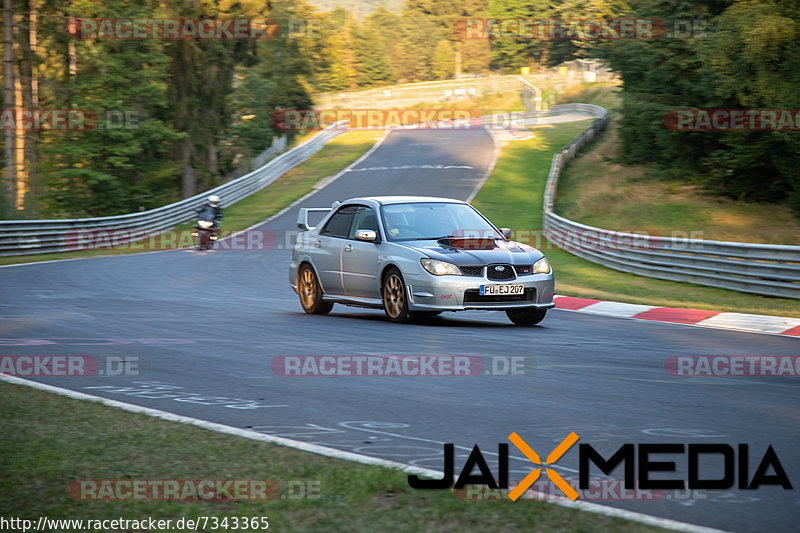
(205, 234)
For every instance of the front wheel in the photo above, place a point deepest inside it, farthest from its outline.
(395, 303)
(526, 317)
(310, 292)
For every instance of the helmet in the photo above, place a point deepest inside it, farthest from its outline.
(213, 200)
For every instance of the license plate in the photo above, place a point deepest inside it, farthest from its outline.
(497, 290)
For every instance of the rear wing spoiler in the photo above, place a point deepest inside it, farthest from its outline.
(302, 216)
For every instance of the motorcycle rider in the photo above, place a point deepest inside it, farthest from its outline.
(212, 211)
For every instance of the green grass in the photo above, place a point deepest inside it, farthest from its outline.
(605, 94)
(48, 441)
(512, 197)
(486, 104)
(299, 181)
(595, 189)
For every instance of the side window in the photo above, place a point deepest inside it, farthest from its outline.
(339, 224)
(364, 219)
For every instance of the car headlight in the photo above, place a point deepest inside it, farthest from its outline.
(541, 266)
(440, 268)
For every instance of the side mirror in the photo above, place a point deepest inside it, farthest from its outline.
(506, 233)
(366, 235)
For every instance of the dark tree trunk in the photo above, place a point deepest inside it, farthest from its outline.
(8, 76)
(188, 178)
(29, 101)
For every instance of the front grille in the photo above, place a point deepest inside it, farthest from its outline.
(523, 270)
(472, 270)
(505, 272)
(474, 296)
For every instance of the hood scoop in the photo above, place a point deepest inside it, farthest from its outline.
(464, 243)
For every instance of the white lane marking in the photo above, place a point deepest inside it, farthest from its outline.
(746, 322)
(370, 429)
(489, 169)
(162, 391)
(45, 262)
(684, 433)
(617, 309)
(410, 167)
(328, 181)
(191, 248)
(354, 457)
(221, 428)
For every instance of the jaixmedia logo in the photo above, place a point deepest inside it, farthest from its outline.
(635, 460)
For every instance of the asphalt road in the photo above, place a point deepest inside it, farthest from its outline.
(203, 329)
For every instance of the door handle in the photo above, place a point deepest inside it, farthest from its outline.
(348, 248)
(318, 244)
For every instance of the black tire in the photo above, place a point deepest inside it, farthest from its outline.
(202, 239)
(526, 317)
(395, 302)
(310, 292)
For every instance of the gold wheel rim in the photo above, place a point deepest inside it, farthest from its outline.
(394, 295)
(308, 288)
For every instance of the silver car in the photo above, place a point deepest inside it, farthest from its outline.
(415, 256)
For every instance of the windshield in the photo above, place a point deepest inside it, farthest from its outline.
(435, 220)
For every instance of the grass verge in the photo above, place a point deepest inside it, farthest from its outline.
(597, 190)
(99, 442)
(299, 181)
(512, 197)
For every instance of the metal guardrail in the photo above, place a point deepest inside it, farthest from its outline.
(531, 95)
(27, 237)
(456, 90)
(766, 269)
(747, 267)
(409, 94)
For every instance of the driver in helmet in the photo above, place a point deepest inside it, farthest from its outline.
(211, 211)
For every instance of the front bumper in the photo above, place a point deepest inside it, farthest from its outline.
(459, 293)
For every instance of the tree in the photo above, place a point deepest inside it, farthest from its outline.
(99, 171)
(371, 60)
(275, 81)
(754, 59)
(746, 59)
(443, 62)
(9, 136)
